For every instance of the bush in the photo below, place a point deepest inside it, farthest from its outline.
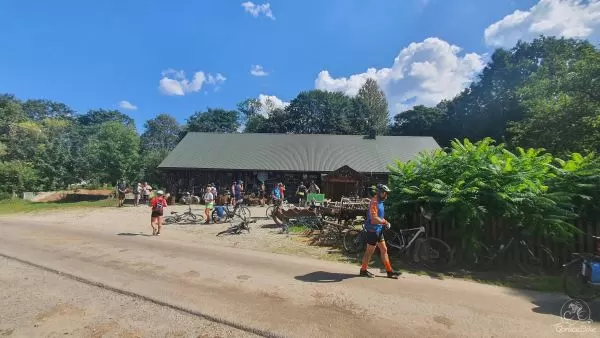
(473, 183)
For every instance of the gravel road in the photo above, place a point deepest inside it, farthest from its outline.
(36, 303)
(190, 268)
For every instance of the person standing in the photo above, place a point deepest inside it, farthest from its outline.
(121, 187)
(262, 194)
(209, 200)
(276, 195)
(146, 188)
(158, 204)
(282, 191)
(238, 193)
(137, 190)
(313, 188)
(232, 194)
(374, 224)
(301, 192)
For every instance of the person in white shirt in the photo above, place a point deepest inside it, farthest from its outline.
(209, 200)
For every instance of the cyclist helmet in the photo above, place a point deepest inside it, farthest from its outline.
(383, 187)
(160, 193)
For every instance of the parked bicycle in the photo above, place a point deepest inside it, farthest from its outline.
(271, 209)
(241, 211)
(431, 252)
(186, 217)
(237, 228)
(527, 261)
(581, 276)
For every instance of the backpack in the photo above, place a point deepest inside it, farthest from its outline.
(159, 205)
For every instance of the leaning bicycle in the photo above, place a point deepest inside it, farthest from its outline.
(429, 251)
(237, 228)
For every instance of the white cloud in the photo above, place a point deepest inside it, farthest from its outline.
(127, 105)
(255, 10)
(422, 73)
(270, 102)
(257, 70)
(563, 18)
(174, 82)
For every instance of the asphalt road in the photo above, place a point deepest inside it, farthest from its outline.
(249, 292)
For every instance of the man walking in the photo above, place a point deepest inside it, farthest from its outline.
(301, 192)
(374, 224)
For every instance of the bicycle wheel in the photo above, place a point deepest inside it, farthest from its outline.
(269, 211)
(169, 220)
(434, 253)
(354, 241)
(214, 216)
(574, 283)
(243, 213)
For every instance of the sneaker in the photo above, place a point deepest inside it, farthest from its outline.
(158, 233)
(393, 274)
(366, 273)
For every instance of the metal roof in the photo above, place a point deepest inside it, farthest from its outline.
(293, 152)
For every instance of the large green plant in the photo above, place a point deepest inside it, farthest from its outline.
(472, 183)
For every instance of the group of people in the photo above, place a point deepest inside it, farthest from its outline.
(375, 222)
(140, 192)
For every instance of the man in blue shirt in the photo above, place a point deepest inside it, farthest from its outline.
(374, 225)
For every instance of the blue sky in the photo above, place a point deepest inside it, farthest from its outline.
(97, 54)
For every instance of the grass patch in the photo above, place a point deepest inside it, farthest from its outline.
(297, 229)
(22, 206)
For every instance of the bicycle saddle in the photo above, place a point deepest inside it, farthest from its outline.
(173, 212)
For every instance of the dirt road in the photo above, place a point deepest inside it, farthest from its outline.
(253, 292)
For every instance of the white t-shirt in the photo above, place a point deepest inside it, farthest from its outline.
(208, 197)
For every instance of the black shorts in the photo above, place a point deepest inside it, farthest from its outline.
(156, 213)
(121, 195)
(374, 237)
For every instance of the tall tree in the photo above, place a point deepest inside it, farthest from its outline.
(112, 153)
(562, 104)
(43, 109)
(214, 120)
(375, 106)
(96, 117)
(491, 102)
(319, 112)
(161, 133)
(419, 121)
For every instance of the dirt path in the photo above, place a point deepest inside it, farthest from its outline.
(285, 295)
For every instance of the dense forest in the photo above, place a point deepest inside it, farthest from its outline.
(541, 94)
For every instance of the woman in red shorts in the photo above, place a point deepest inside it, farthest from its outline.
(157, 204)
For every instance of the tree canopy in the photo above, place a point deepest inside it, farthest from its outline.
(538, 94)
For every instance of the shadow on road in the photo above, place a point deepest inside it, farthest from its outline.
(551, 303)
(324, 277)
(132, 234)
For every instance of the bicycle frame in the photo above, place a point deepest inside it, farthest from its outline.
(417, 232)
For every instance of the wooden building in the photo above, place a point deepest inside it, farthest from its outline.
(338, 164)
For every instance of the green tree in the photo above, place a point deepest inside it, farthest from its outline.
(318, 112)
(112, 153)
(161, 133)
(214, 120)
(562, 104)
(487, 106)
(374, 106)
(42, 109)
(419, 121)
(17, 177)
(97, 117)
